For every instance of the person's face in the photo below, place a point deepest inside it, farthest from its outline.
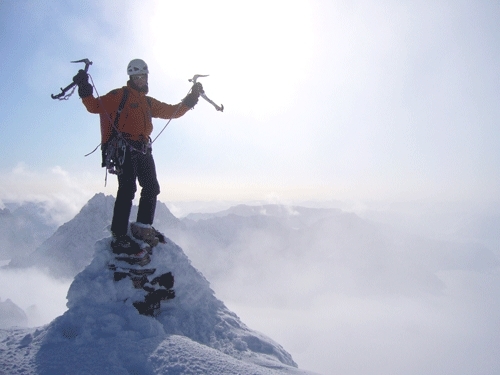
(140, 80)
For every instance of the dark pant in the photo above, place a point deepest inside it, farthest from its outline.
(141, 167)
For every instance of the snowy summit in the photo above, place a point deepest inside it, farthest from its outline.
(102, 332)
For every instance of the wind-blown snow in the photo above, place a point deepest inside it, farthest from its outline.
(102, 332)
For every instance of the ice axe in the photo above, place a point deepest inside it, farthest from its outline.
(202, 94)
(72, 84)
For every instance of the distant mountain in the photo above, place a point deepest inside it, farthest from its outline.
(293, 215)
(69, 249)
(11, 315)
(328, 241)
(336, 240)
(102, 333)
(233, 230)
(339, 250)
(23, 227)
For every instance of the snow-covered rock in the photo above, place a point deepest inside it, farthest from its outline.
(103, 333)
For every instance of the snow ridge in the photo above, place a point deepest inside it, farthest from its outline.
(194, 333)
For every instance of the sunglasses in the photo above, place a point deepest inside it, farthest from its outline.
(137, 77)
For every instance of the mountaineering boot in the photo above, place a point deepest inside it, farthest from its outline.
(129, 251)
(161, 237)
(125, 245)
(147, 233)
(144, 232)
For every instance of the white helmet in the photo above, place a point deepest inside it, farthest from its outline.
(137, 66)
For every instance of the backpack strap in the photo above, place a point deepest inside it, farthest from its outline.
(120, 108)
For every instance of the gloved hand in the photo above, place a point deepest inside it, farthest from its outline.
(84, 87)
(81, 77)
(197, 89)
(191, 99)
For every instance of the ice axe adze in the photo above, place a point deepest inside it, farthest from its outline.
(202, 94)
(63, 90)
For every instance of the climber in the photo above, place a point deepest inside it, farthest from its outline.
(126, 116)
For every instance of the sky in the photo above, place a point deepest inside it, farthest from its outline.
(324, 100)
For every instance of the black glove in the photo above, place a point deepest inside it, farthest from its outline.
(197, 89)
(84, 87)
(192, 98)
(81, 77)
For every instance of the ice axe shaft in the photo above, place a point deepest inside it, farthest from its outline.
(72, 84)
(219, 108)
(203, 95)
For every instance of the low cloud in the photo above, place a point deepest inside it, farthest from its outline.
(41, 297)
(352, 297)
(63, 194)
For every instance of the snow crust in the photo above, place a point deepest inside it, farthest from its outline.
(102, 332)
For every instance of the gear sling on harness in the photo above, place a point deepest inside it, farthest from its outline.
(114, 148)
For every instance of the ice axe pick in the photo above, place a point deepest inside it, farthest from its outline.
(61, 96)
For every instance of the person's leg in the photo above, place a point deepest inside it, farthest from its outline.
(124, 197)
(146, 174)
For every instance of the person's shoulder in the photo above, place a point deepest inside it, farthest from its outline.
(152, 100)
(115, 94)
(117, 91)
